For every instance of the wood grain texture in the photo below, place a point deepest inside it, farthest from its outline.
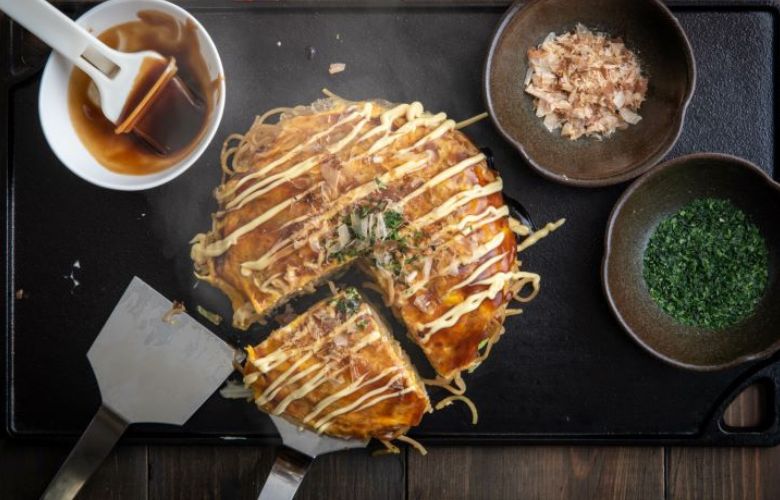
(542, 472)
(355, 474)
(193, 472)
(738, 473)
(728, 473)
(238, 472)
(26, 469)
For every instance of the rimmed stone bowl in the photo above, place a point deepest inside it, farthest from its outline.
(659, 194)
(650, 30)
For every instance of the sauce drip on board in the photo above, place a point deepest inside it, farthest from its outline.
(181, 128)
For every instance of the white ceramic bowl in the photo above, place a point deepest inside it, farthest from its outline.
(53, 100)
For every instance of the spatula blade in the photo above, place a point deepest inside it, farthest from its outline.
(301, 447)
(149, 370)
(310, 443)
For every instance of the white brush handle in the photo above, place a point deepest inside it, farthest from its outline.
(59, 32)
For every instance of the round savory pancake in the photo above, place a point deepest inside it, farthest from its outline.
(392, 188)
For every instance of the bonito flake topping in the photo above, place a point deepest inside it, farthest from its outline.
(585, 83)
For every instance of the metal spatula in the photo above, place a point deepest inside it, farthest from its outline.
(293, 459)
(147, 370)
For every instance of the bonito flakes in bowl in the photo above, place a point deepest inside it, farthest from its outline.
(590, 92)
(585, 83)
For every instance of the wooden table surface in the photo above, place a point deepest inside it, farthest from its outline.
(494, 472)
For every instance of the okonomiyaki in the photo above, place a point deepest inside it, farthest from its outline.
(396, 190)
(337, 369)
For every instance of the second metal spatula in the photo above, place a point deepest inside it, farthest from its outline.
(293, 459)
(148, 370)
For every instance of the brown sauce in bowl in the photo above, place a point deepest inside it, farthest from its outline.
(127, 153)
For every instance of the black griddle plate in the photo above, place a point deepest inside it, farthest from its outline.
(564, 371)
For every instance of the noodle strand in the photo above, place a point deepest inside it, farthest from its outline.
(390, 449)
(471, 121)
(451, 399)
(417, 446)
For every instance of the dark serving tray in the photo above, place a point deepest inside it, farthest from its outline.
(564, 372)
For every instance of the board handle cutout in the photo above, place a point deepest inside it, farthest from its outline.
(755, 421)
(752, 409)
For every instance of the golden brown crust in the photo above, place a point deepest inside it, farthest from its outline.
(455, 348)
(453, 248)
(358, 362)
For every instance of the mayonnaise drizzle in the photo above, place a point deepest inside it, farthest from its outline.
(478, 253)
(382, 136)
(467, 225)
(366, 340)
(475, 221)
(278, 381)
(354, 386)
(538, 235)
(406, 128)
(478, 271)
(294, 151)
(432, 136)
(441, 177)
(359, 405)
(283, 353)
(387, 118)
(219, 247)
(415, 118)
(305, 166)
(347, 198)
(317, 380)
(298, 169)
(320, 377)
(291, 381)
(471, 222)
(320, 368)
(495, 285)
(262, 187)
(272, 182)
(457, 201)
(335, 148)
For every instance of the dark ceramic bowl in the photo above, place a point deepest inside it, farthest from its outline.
(659, 194)
(650, 30)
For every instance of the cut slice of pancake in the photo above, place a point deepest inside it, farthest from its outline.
(393, 188)
(336, 369)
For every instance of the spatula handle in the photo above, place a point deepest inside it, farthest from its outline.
(93, 447)
(58, 32)
(286, 474)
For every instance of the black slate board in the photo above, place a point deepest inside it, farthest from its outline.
(564, 371)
